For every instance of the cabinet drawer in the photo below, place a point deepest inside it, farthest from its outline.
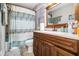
(61, 52)
(66, 43)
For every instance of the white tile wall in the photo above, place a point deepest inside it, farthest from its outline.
(2, 38)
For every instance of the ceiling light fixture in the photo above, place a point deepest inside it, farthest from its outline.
(51, 5)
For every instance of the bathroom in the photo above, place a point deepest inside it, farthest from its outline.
(25, 20)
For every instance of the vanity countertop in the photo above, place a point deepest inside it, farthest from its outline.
(62, 34)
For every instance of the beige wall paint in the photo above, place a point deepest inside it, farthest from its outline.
(40, 12)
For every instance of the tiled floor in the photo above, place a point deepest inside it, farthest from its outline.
(15, 51)
(27, 51)
(20, 51)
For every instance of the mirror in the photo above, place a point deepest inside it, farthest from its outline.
(59, 14)
(54, 20)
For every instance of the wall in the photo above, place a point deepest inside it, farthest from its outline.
(40, 15)
(65, 11)
(2, 38)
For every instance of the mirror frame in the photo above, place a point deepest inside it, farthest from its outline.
(50, 6)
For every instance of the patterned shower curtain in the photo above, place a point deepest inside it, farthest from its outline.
(20, 23)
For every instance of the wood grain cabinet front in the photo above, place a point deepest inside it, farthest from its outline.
(49, 45)
(46, 49)
(61, 52)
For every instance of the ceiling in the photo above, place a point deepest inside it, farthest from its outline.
(31, 6)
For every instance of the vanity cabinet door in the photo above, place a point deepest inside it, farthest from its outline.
(46, 49)
(50, 49)
(35, 46)
(41, 49)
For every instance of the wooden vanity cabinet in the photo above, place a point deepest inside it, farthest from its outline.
(42, 48)
(51, 45)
